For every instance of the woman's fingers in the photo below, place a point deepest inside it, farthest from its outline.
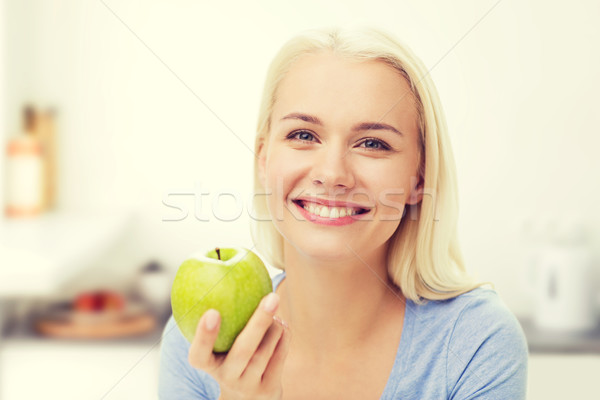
(201, 349)
(253, 366)
(272, 376)
(260, 359)
(249, 339)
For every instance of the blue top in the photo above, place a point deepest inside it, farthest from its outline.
(468, 347)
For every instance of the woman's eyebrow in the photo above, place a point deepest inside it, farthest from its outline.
(303, 117)
(362, 126)
(373, 126)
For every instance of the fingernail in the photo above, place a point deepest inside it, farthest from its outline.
(271, 302)
(211, 319)
(282, 322)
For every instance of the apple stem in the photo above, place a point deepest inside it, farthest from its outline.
(218, 253)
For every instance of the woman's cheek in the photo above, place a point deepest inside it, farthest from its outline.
(391, 205)
(282, 176)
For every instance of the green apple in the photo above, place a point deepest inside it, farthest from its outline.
(233, 281)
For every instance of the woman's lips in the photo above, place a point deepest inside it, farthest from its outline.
(328, 220)
(317, 201)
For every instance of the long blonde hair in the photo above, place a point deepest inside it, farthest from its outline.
(424, 257)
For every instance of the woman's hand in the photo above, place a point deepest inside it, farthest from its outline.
(252, 367)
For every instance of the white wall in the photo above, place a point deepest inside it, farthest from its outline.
(3, 123)
(134, 82)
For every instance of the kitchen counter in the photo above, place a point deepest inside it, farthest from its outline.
(545, 341)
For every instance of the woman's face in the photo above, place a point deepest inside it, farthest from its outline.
(340, 161)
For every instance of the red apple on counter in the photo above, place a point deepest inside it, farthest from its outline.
(99, 301)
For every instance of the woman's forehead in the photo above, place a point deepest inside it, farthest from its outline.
(339, 88)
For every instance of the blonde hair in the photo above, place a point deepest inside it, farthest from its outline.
(424, 258)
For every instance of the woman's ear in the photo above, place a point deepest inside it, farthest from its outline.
(416, 193)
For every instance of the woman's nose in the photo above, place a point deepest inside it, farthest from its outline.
(332, 169)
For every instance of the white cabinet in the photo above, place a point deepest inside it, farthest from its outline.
(52, 369)
(564, 376)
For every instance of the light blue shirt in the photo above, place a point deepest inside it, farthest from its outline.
(468, 347)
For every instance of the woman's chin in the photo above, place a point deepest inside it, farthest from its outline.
(324, 251)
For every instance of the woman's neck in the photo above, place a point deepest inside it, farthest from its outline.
(333, 307)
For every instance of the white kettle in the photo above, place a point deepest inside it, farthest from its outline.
(563, 283)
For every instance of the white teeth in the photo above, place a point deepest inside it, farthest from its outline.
(334, 213)
(330, 212)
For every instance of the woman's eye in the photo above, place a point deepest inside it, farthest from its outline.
(374, 144)
(369, 144)
(302, 135)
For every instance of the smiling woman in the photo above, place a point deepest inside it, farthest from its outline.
(359, 211)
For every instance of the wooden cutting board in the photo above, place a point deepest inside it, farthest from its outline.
(101, 325)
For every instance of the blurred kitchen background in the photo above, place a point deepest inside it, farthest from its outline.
(126, 125)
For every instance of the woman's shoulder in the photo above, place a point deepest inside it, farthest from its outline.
(482, 346)
(481, 315)
(479, 304)
(469, 320)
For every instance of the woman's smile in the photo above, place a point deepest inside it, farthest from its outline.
(330, 214)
